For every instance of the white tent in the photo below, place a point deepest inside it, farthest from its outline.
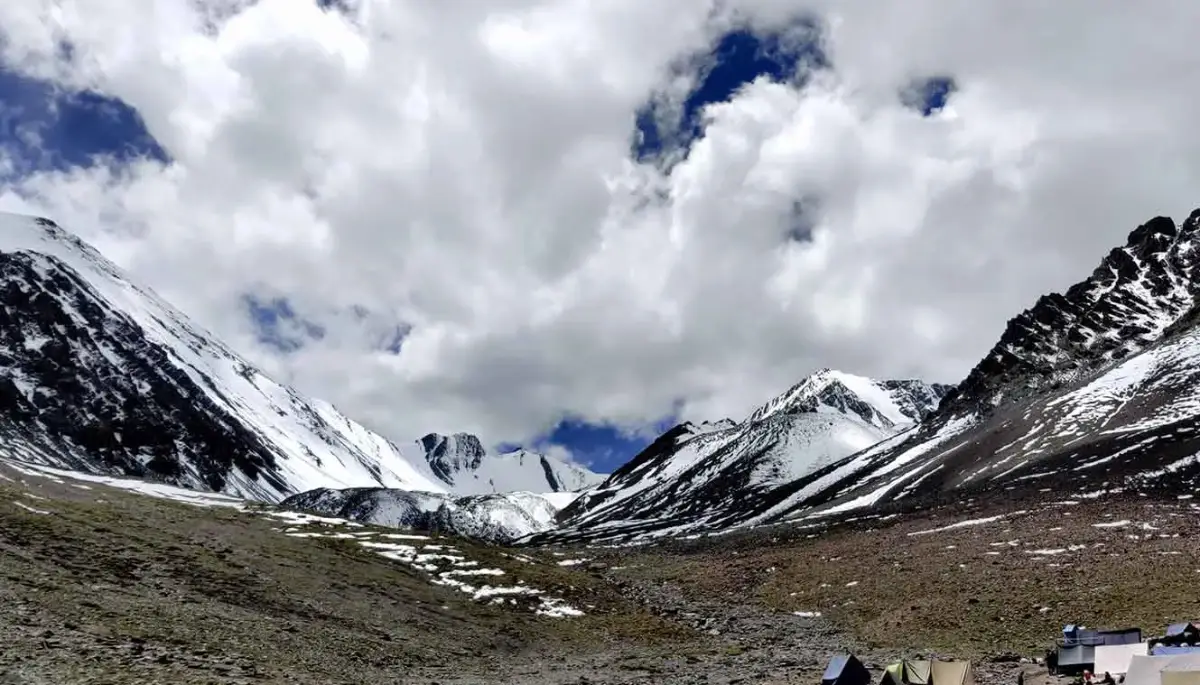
(1180, 669)
(1115, 659)
(1144, 670)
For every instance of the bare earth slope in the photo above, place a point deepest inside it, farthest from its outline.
(101, 585)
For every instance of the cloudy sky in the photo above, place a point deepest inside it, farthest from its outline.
(570, 222)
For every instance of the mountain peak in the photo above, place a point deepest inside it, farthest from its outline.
(1134, 294)
(104, 376)
(449, 455)
(884, 404)
(460, 461)
(1155, 232)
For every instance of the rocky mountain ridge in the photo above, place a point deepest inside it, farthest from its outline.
(100, 375)
(1088, 391)
(696, 478)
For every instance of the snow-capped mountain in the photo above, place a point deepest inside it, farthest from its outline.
(1125, 305)
(1096, 389)
(100, 375)
(499, 518)
(717, 475)
(461, 462)
(883, 404)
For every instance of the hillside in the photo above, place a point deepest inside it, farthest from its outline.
(697, 478)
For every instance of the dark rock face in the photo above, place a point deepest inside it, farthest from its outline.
(81, 381)
(556, 485)
(452, 454)
(1124, 306)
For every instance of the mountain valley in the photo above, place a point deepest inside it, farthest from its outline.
(170, 514)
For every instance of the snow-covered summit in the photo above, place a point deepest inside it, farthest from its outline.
(883, 404)
(499, 518)
(461, 462)
(705, 476)
(100, 375)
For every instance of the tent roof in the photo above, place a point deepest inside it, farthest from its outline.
(845, 669)
(836, 665)
(1177, 628)
(1115, 659)
(1183, 662)
(1167, 650)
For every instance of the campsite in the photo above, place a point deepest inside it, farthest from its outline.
(1080, 655)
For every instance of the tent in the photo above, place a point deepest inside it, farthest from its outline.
(951, 673)
(1180, 677)
(1181, 628)
(916, 672)
(1182, 669)
(1187, 632)
(1165, 650)
(1076, 658)
(1124, 636)
(845, 669)
(906, 673)
(1143, 670)
(1115, 659)
(1074, 636)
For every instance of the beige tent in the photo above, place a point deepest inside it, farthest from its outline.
(916, 672)
(1180, 677)
(1182, 669)
(951, 673)
(1115, 659)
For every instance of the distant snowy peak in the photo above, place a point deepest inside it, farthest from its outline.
(499, 518)
(467, 468)
(714, 475)
(449, 455)
(883, 404)
(1135, 293)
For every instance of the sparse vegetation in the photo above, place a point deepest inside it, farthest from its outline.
(115, 587)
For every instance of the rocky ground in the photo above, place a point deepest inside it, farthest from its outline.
(104, 585)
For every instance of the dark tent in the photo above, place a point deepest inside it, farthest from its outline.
(1187, 633)
(846, 669)
(1124, 636)
(1077, 649)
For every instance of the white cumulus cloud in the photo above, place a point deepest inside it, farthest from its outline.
(463, 171)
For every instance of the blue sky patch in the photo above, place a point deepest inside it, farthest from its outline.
(277, 324)
(929, 96)
(600, 447)
(43, 128)
(737, 58)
